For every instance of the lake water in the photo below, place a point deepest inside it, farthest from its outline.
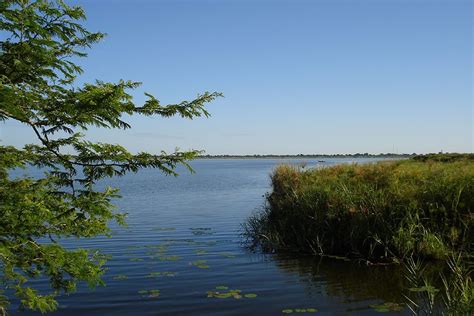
(183, 239)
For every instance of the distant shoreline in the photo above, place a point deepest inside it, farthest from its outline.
(301, 156)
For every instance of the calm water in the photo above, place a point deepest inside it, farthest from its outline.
(189, 227)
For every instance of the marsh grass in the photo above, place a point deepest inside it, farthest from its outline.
(449, 292)
(378, 212)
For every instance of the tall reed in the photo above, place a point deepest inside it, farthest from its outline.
(455, 294)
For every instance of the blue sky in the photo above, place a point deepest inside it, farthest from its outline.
(298, 76)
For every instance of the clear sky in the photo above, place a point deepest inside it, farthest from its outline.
(298, 76)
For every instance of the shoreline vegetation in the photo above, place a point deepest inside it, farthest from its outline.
(380, 212)
(408, 212)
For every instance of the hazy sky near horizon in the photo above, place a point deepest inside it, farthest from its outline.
(298, 76)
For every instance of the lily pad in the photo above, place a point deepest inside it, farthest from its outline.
(222, 295)
(200, 264)
(216, 294)
(157, 253)
(153, 293)
(169, 258)
(250, 295)
(201, 231)
(236, 293)
(162, 274)
(174, 241)
(135, 259)
(149, 293)
(299, 310)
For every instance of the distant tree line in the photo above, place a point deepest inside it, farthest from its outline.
(356, 155)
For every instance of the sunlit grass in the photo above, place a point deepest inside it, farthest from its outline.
(379, 212)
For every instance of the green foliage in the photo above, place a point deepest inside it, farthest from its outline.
(202, 264)
(149, 293)
(379, 211)
(444, 157)
(388, 211)
(224, 292)
(453, 296)
(299, 310)
(40, 41)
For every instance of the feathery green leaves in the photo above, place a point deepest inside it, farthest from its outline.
(37, 88)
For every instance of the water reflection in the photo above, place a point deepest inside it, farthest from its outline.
(351, 281)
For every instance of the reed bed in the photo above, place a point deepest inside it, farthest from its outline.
(378, 212)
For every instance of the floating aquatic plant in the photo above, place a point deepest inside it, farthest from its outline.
(158, 246)
(158, 250)
(224, 292)
(169, 258)
(149, 293)
(387, 307)
(200, 264)
(120, 277)
(162, 274)
(178, 240)
(201, 231)
(135, 259)
(203, 266)
(250, 295)
(299, 310)
(230, 293)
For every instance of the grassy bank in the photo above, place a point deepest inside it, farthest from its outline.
(382, 211)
